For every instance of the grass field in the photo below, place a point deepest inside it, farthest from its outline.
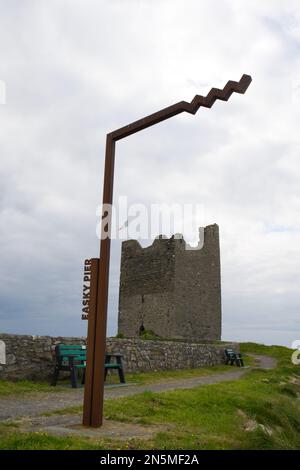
(21, 387)
(259, 411)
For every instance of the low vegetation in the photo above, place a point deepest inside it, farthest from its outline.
(259, 411)
(8, 388)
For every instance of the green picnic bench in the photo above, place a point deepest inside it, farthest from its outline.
(72, 357)
(233, 357)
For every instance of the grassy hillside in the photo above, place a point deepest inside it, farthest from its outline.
(259, 411)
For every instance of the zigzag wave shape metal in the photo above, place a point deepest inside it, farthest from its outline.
(218, 94)
(183, 106)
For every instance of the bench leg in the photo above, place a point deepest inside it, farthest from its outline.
(121, 375)
(239, 362)
(55, 376)
(121, 370)
(83, 377)
(74, 377)
(105, 373)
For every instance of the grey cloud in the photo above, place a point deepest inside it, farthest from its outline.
(76, 71)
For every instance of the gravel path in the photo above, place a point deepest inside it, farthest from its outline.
(264, 362)
(36, 404)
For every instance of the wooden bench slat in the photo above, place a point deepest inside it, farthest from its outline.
(72, 353)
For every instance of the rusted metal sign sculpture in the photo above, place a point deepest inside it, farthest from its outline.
(99, 268)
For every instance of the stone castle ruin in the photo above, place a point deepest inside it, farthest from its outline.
(170, 290)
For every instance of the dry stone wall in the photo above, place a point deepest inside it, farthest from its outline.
(31, 357)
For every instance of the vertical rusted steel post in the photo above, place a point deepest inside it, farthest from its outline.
(103, 278)
(89, 372)
(96, 343)
(93, 401)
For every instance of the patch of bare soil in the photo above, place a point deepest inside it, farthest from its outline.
(66, 425)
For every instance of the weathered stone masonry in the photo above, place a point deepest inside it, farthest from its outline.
(171, 290)
(30, 357)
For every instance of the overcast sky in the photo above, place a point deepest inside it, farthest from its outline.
(75, 70)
